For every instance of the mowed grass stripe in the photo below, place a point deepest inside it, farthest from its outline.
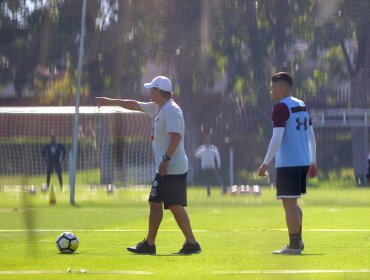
(82, 271)
(307, 271)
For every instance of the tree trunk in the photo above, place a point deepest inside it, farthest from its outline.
(360, 87)
(184, 74)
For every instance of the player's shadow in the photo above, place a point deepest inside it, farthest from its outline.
(308, 255)
(304, 255)
(171, 255)
(76, 205)
(162, 255)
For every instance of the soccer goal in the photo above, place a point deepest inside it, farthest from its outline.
(113, 146)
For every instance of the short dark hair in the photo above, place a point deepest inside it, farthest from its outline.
(166, 94)
(282, 76)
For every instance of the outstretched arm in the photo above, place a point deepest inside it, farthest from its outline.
(124, 103)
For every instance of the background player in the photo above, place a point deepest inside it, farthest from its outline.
(210, 164)
(53, 154)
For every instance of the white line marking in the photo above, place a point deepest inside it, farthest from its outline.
(322, 230)
(317, 271)
(90, 230)
(37, 272)
(174, 230)
(305, 230)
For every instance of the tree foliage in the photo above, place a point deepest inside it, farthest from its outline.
(199, 42)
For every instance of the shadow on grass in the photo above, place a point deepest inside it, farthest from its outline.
(162, 255)
(308, 255)
(302, 255)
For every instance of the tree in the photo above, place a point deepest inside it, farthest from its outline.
(16, 45)
(251, 41)
(48, 36)
(341, 40)
(181, 52)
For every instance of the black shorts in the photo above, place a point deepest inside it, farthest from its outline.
(170, 189)
(291, 181)
(54, 166)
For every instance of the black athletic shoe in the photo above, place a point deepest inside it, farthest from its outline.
(287, 251)
(301, 245)
(143, 248)
(188, 249)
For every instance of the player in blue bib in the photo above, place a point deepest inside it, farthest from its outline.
(293, 145)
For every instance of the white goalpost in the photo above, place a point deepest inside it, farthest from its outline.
(73, 160)
(113, 146)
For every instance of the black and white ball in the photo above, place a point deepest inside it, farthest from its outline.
(67, 242)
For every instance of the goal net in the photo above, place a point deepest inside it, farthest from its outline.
(113, 146)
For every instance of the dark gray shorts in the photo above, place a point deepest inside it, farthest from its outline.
(291, 181)
(170, 189)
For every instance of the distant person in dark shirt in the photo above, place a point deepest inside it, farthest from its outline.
(368, 169)
(53, 154)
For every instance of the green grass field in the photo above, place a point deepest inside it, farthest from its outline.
(237, 235)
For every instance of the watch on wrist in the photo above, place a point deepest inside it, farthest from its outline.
(166, 158)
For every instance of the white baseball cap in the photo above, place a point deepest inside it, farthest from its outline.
(160, 82)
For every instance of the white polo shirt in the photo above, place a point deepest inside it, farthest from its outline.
(166, 120)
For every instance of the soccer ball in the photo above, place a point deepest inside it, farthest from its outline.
(67, 242)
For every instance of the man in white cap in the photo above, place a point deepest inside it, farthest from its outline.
(169, 186)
